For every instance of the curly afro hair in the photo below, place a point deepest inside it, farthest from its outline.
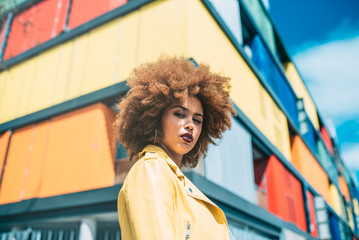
(155, 86)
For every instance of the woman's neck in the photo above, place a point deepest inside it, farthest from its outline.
(177, 158)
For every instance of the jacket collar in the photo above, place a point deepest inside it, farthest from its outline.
(161, 153)
(191, 189)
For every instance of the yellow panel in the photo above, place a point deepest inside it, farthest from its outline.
(127, 59)
(4, 114)
(62, 72)
(162, 30)
(103, 46)
(13, 82)
(301, 91)
(43, 85)
(356, 206)
(350, 218)
(77, 71)
(27, 78)
(335, 199)
(208, 44)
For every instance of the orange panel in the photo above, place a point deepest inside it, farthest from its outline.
(35, 166)
(344, 189)
(313, 219)
(284, 193)
(86, 10)
(327, 140)
(16, 165)
(79, 153)
(308, 166)
(4, 141)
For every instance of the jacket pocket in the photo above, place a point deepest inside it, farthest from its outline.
(188, 230)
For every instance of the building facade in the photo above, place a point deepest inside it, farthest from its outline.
(277, 174)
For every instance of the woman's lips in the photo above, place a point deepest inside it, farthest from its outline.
(187, 137)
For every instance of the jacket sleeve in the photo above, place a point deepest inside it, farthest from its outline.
(146, 204)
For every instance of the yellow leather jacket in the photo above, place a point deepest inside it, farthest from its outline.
(158, 202)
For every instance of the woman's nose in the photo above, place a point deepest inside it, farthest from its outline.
(189, 125)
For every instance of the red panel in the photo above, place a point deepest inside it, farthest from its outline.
(327, 140)
(313, 220)
(284, 194)
(84, 10)
(35, 26)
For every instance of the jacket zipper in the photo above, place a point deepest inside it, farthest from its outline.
(188, 231)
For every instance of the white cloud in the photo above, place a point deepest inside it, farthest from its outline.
(351, 156)
(331, 72)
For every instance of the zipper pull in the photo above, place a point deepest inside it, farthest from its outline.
(188, 231)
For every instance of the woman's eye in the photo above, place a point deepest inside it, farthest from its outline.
(197, 121)
(180, 115)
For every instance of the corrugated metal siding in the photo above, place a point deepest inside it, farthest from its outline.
(246, 90)
(230, 164)
(302, 92)
(308, 166)
(284, 191)
(68, 153)
(86, 10)
(36, 25)
(229, 12)
(274, 78)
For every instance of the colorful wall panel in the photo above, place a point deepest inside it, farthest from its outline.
(247, 92)
(36, 25)
(233, 169)
(308, 166)
(344, 189)
(334, 228)
(302, 92)
(284, 193)
(327, 139)
(69, 153)
(275, 80)
(265, 27)
(312, 215)
(335, 200)
(86, 10)
(326, 161)
(310, 137)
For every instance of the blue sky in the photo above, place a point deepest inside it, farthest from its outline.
(322, 37)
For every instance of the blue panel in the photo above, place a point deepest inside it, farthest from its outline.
(230, 163)
(334, 228)
(275, 79)
(309, 137)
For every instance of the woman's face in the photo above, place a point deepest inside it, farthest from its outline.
(182, 126)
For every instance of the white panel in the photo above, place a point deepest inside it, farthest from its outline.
(289, 235)
(229, 11)
(230, 163)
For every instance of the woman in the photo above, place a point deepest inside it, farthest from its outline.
(167, 119)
